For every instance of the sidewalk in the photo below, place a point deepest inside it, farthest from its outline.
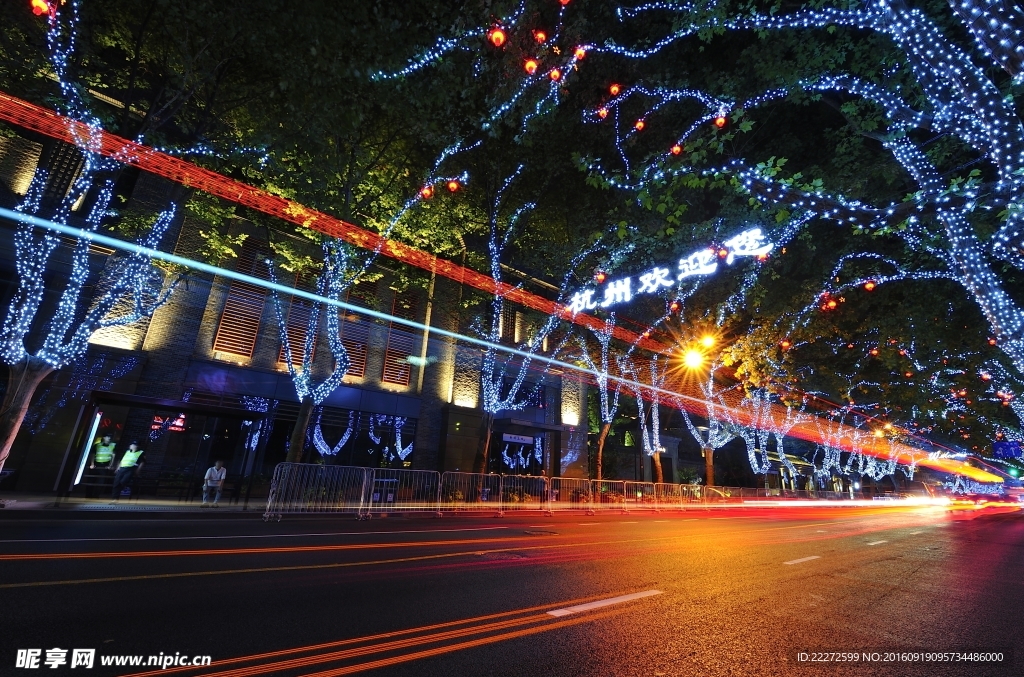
(29, 506)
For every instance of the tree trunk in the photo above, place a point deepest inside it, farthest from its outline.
(658, 476)
(484, 449)
(709, 466)
(23, 378)
(605, 428)
(298, 438)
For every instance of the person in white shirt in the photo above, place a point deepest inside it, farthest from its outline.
(214, 481)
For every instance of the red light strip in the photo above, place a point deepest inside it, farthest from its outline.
(49, 123)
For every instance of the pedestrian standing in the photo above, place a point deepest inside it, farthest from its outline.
(102, 458)
(214, 482)
(131, 464)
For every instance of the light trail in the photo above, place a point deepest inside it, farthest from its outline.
(904, 453)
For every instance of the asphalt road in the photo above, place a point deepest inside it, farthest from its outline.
(730, 592)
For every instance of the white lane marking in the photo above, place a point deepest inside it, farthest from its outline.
(877, 542)
(822, 531)
(602, 603)
(915, 533)
(629, 523)
(690, 519)
(803, 559)
(228, 537)
(588, 524)
(656, 521)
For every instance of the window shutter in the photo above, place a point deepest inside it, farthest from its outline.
(397, 369)
(240, 319)
(355, 332)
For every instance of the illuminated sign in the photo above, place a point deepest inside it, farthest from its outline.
(704, 262)
(1006, 449)
(175, 426)
(516, 439)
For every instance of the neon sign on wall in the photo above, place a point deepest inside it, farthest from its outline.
(704, 262)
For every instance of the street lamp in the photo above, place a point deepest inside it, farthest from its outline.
(693, 358)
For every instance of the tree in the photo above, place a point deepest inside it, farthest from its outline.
(608, 393)
(648, 403)
(128, 289)
(908, 88)
(712, 407)
(503, 372)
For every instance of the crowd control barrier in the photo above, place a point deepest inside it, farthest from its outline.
(366, 492)
(465, 491)
(305, 487)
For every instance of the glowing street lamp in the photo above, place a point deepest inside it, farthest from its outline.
(693, 359)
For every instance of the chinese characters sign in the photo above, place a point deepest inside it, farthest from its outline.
(704, 262)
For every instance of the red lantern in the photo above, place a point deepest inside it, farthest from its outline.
(850, 346)
(991, 341)
(497, 37)
(40, 7)
(676, 149)
(675, 306)
(647, 334)
(831, 304)
(720, 121)
(614, 89)
(453, 185)
(563, 2)
(785, 344)
(600, 276)
(869, 285)
(555, 74)
(580, 53)
(874, 351)
(986, 376)
(639, 126)
(540, 36)
(530, 66)
(602, 113)
(722, 253)
(427, 192)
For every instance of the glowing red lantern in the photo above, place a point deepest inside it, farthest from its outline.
(639, 126)
(647, 334)
(831, 304)
(563, 2)
(497, 37)
(600, 276)
(40, 7)
(540, 36)
(785, 344)
(720, 121)
(722, 253)
(676, 149)
(874, 351)
(675, 306)
(615, 89)
(602, 113)
(580, 53)
(908, 374)
(555, 74)
(985, 376)
(530, 66)
(453, 185)
(991, 341)
(427, 192)
(850, 346)
(869, 285)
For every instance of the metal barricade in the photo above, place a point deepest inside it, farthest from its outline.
(669, 496)
(640, 496)
(308, 487)
(523, 492)
(466, 491)
(691, 494)
(565, 493)
(392, 490)
(608, 495)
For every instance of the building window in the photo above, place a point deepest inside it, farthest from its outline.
(397, 369)
(355, 332)
(240, 319)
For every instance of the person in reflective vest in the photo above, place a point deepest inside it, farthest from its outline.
(103, 453)
(131, 464)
